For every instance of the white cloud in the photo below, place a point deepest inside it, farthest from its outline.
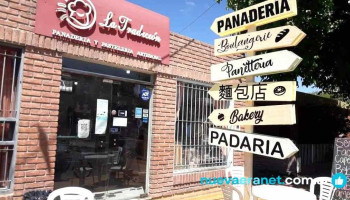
(190, 3)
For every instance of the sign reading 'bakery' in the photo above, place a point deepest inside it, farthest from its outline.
(259, 14)
(117, 26)
(261, 115)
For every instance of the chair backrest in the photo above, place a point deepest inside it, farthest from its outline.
(72, 193)
(326, 187)
(237, 191)
(116, 158)
(231, 193)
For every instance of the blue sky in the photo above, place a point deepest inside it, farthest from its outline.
(184, 12)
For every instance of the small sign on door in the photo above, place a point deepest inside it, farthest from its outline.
(138, 113)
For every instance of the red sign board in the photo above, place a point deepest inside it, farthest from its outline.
(118, 26)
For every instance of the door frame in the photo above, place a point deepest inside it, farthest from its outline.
(149, 142)
(150, 117)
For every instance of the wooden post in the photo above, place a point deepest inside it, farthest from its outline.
(248, 157)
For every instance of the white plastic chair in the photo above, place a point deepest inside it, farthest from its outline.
(72, 193)
(237, 191)
(326, 187)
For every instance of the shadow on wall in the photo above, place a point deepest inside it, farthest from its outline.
(44, 147)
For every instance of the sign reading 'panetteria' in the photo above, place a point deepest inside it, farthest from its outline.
(265, 91)
(261, 115)
(259, 14)
(280, 37)
(271, 63)
(270, 146)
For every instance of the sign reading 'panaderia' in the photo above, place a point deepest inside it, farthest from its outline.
(117, 26)
(261, 115)
(275, 147)
(271, 63)
(280, 37)
(259, 14)
(265, 91)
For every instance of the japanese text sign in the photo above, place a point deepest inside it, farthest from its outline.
(265, 91)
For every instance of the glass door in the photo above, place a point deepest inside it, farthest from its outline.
(128, 140)
(102, 136)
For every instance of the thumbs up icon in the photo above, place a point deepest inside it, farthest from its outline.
(339, 181)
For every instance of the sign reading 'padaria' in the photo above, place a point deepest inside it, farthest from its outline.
(265, 91)
(261, 115)
(270, 146)
(280, 37)
(259, 14)
(271, 63)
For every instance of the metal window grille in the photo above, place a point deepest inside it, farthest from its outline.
(10, 61)
(192, 151)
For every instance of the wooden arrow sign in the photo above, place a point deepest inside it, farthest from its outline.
(275, 147)
(265, 91)
(271, 63)
(274, 38)
(261, 115)
(259, 14)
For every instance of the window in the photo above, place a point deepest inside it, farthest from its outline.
(10, 60)
(192, 151)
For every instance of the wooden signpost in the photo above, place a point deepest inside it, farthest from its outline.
(257, 15)
(266, 91)
(269, 146)
(262, 115)
(270, 63)
(284, 36)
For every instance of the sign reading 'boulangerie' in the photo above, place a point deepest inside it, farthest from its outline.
(117, 26)
(261, 115)
(265, 91)
(271, 63)
(284, 36)
(259, 14)
(269, 146)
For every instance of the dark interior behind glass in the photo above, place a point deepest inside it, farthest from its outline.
(105, 162)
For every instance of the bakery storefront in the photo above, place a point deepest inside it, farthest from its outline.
(101, 95)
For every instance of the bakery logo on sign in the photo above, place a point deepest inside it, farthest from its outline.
(282, 35)
(81, 14)
(279, 90)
